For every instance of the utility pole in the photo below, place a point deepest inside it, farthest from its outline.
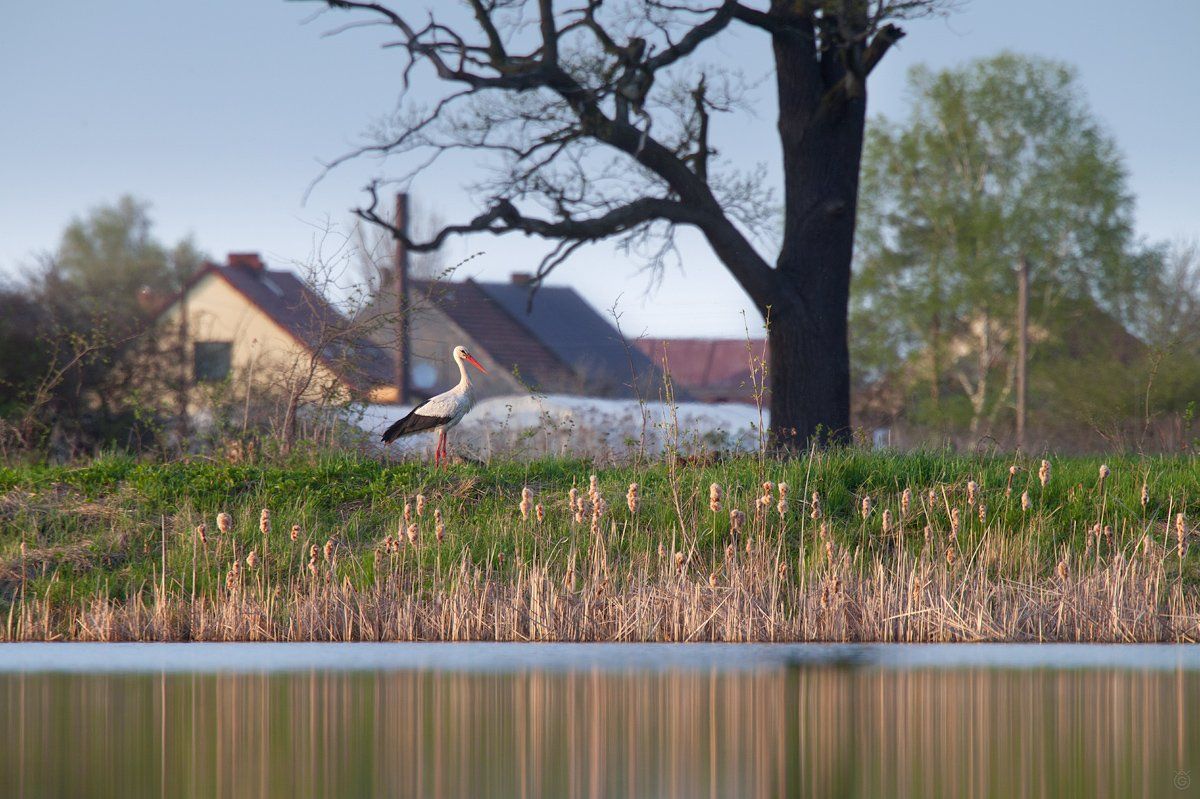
(401, 286)
(1022, 345)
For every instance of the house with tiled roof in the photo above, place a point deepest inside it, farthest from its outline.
(552, 341)
(242, 318)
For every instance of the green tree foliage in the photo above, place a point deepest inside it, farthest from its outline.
(77, 322)
(999, 159)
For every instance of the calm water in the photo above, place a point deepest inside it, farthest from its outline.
(495, 720)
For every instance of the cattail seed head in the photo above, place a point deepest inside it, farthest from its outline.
(1062, 571)
(420, 505)
(408, 512)
(224, 522)
(783, 490)
(1145, 494)
(982, 513)
(264, 521)
(712, 579)
(905, 502)
(815, 513)
(1180, 534)
(526, 502)
(679, 562)
(202, 532)
(1012, 470)
(412, 533)
(1026, 502)
(932, 497)
(887, 521)
(972, 492)
(928, 535)
(866, 506)
(313, 551)
(539, 512)
(1104, 472)
(328, 549)
(662, 551)
(827, 540)
(632, 498)
(954, 524)
(252, 559)
(295, 532)
(715, 494)
(439, 527)
(951, 557)
(782, 505)
(312, 566)
(1044, 473)
(736, 520)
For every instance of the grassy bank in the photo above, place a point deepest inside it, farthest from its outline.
(950, 548)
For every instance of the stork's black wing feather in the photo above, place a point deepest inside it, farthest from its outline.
(415, 422)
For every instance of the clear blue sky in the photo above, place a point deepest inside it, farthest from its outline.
(218, 112)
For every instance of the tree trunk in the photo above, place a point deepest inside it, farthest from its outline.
(810, 379)
(822, 148)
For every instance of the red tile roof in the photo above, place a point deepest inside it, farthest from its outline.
(712, 369)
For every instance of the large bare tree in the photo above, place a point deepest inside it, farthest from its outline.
(598, 115)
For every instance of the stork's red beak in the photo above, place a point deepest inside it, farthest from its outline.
(474, 363)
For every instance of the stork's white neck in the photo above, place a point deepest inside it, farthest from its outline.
(464, 379)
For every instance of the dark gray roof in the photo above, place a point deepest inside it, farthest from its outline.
(573, 330)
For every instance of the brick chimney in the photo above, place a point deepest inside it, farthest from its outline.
(520, 278)
(246, 260)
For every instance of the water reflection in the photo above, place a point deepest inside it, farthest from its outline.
(821, 731)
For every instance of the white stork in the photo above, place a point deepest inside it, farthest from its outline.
(442, 412)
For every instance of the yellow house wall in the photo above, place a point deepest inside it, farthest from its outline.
(260, 347)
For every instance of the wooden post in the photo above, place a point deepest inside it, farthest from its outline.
(187, 361)
(1022, 345)
(401, 285)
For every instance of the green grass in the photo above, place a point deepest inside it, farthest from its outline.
(104, 528)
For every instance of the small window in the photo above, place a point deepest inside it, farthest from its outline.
(212, 360)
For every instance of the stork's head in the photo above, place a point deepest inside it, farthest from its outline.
(461, 354)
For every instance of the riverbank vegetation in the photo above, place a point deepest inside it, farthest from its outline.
(842, 545)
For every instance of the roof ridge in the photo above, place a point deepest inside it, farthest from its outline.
(525, 327)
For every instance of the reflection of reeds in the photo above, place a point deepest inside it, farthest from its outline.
(833, 731)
